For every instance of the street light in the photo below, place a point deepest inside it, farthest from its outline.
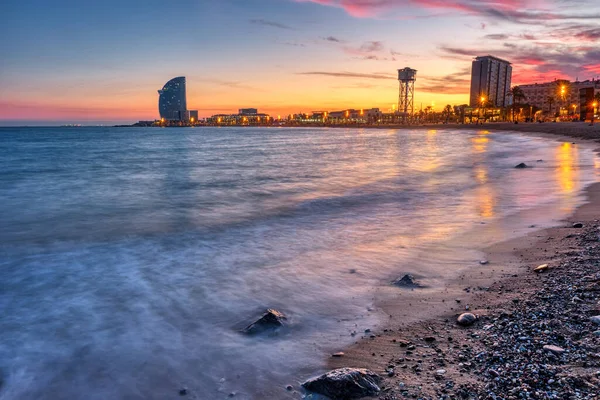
(594, 104)
(482, 101)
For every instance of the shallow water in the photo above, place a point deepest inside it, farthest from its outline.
(131, 257)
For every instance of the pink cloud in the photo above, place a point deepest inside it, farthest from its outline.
(370, 8)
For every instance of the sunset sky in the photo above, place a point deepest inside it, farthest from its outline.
(68, 61)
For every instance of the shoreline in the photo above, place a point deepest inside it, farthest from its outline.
(412, 366)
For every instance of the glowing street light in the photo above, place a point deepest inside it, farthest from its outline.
(482, 101)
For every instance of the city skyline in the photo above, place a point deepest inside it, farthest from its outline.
(88, 63)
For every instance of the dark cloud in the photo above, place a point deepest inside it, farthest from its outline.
(333, 39)
(539, 61)
(349, 75)
(455, 83)
(273, 24)
(370, 47)
(496, 36)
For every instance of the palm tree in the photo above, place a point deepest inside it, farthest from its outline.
(550, 100)
(517, 95)
(448, 111)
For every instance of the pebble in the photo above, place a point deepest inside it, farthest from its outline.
(541, 268)
(554, 349)
(338, 354)
(577, 225)
(595, 319)
(466, 319)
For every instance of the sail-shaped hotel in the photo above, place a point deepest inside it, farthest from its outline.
(172, 101)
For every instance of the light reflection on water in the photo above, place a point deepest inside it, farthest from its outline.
(130, 257)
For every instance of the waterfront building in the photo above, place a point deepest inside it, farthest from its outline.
(490, 81)
(248, 111)
(560, 96)
(586, 100)
(172, 102)
(243, 118)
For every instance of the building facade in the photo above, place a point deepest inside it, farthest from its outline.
(559, 96)
(172, 102)
(490, 80)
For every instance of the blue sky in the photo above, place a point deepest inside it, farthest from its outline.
(88, 61)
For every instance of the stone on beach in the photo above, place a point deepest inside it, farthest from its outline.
(554, 349)
(541, 268)
(595, 319)
(466, 319)
(407, 281)
(272, 319)
(577, 225)
(345, 383)
(522, 165)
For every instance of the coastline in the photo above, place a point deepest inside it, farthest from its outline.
(496, 293)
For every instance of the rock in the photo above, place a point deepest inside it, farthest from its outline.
(522, 165)
(466, 319)
(541, 268)
(272, 319)
(289, 388)
(595, 319)
(484, 262)
(554, 349)
(183, 391)
(577, 225)
(345, 383)
(440, 372)
(407, 281)
(339, 354)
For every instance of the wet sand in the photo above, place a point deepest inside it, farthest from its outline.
(423, 353)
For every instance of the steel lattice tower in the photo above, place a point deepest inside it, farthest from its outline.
(406, 98)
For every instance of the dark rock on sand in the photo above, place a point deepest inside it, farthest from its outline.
(466, 319)
(183, 391)
(345, 383)
(407, 281)
(522, 165)
(577, 225)
(272, 319)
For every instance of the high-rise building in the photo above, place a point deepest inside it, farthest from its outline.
(172, 103)
(490, 79)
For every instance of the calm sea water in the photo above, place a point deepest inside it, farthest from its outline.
(130, 258)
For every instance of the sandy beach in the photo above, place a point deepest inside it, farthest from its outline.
(502, 355)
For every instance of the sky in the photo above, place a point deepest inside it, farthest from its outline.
(102, 62)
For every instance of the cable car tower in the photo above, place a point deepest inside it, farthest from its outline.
(406, 98)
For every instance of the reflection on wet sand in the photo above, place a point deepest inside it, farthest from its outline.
(485, 200)
(567, 171)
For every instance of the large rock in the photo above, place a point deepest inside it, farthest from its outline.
(407, 281)
(522, 165)
(345, 383)
(466, 319)
(270, 320)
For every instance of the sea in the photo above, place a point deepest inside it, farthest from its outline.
(132, 258)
